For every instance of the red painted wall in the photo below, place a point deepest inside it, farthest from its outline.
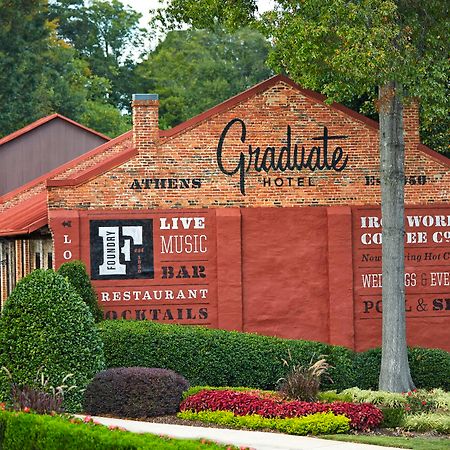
(285, 275)
(305, 273)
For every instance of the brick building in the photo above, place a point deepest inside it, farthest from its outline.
(261, 214)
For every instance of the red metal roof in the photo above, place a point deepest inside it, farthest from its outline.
(26, 217)
(46, 119)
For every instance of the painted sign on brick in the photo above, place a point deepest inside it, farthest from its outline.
(154, 265)
(427, 262)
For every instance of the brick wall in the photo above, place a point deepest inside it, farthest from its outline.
(191, 154)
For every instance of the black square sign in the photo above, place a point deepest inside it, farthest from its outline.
(121, 249)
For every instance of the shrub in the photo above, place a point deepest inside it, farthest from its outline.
(222, 358)
(216, 357)
(135, 392)
(419, 401)
(41, 398)
(379, 398)
(441, 399)
(303, 382)
(429, 368)
(319, 423)
(392, 417)
(75, 272)
(428, 422)
(33, 431)
(46, 326)
(362, 416)
(412, 402)
(333, 396)
(367, 367)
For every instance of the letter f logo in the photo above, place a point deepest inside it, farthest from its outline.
(112, 250)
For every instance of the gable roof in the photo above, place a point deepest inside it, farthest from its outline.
(257, 89)
(106, 165)
(45, 120)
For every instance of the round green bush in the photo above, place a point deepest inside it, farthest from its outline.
(76, 274)
(430, 368)
(46, 327)
(135, 392)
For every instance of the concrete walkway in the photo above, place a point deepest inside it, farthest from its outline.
(254, 439)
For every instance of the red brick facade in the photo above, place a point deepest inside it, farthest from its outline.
(266, 243)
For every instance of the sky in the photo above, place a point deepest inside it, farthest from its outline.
(143, 6)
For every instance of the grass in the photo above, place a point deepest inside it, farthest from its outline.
(415, 443)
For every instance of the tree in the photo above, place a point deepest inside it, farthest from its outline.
(107, 36)
(24, 39)
(193, 70)
(40, 74)
(344, 48)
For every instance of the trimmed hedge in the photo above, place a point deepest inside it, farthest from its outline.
(20, 431)
(216, 357)
(135, 392)
(320, 423)
(223, 358)
(430, 368)
(76, 274)
(46, 327)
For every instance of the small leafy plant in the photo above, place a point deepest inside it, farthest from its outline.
(303, 382)
(39, 397)
(419, 401)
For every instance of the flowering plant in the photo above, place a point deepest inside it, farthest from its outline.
(419, 401)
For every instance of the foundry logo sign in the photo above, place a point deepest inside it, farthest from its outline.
(289, 157)
(121, 249)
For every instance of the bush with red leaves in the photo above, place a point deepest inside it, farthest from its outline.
(363, 416)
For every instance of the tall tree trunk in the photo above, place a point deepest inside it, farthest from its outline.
(395, 374)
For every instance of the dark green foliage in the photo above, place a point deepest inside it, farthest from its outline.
(223, 358)
(430, 368)
(135, 392)
(216, 357)
(76, 274)
(392, 417)
(367, 369)
(33, 431)
(45, 326)
(193, 70)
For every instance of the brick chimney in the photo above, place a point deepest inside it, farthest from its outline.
(145, 121)
(411, 122)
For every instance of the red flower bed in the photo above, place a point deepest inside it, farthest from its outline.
(363, 416)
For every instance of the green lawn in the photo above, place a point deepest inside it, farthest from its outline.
(415, 443)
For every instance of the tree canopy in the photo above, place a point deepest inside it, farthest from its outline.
(345, 49)
(193, 70)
